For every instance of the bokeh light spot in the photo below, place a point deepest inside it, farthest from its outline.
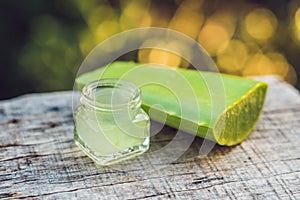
(297, 25)
(163, 57)
(135, 14)
(106, 29)
(270, 64)
(261, 23)
(187, 18)
(212, 37)
(160, 56)
(297, 18)
(258, 64)
(231, 58)
(99, 14)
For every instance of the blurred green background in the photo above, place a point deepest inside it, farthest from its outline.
(44, 42)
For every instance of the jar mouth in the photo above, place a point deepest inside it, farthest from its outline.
(111, 94)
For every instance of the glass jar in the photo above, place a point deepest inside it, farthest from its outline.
(110, 125)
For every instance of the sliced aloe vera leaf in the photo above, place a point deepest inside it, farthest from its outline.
(243, 99)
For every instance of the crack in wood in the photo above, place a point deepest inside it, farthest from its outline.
(153, 195)
(2, 111)
(24, 157)
(13, 121)
(7, 195)
(14, 145)
(206, 180)
(53, 109)
(53, 124)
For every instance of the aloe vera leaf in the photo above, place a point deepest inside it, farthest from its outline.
(244, 100)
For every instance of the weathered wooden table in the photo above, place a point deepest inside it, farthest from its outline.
(39, 159)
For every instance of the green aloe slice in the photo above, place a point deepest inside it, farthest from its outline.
(227, 121)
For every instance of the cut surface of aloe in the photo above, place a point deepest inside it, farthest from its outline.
(219, 107)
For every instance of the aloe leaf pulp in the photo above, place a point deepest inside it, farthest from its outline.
(228, 107)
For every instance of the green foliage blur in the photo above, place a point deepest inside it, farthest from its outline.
(40, 49)
(44, 42)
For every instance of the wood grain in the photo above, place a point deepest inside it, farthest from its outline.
(38, 158)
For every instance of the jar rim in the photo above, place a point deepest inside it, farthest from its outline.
(88, 94)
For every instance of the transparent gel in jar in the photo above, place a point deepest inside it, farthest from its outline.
(110, 125)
